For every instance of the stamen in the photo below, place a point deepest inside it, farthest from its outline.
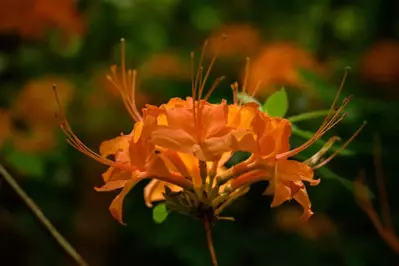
(127, 86)
(123, 64)
(200, 72)
(213, 87)
(234, 88)
(317, 156)
(193, 88)
(215, 56)
(257, 86)
(246, 75)
(341, 87)
(330, 120)
(193, 92)
(75, 142)
(342, 147)
(197, 79)
(133, 95)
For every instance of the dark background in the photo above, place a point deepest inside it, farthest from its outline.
(303, 45)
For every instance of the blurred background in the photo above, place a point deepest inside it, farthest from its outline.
(302, 45)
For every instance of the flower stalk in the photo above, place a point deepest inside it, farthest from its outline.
(42, 218)
(209, 241)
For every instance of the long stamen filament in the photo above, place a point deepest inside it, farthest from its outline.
(75, 142)
(330, 121)
(257, 86)
(234, 88)
(127, 86)
(215, 56)
(246, 75)
(213, 87)
(324, 162)
(316, 157)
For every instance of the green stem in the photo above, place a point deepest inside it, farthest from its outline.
(42, 218)
(308, 116)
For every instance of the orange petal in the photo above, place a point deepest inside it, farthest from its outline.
(139, 153)
(212, 149)
(282, 193)
(290, 170)
(244, 140)
(233, 117)
(156, 166)
(174, 139)
(154, 190)
(111, 185)
(269, 191)
(115, 178)
(192, 165)
(137, 130)
(241, 117)
(183, 119)
(116, 206)
(275, 136)
(176, 102)
(214, 119)
(303, 199)
(114, 145)
(224, 159)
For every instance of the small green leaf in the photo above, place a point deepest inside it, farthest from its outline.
(277, 104)
(245, 98)
(160, 213)
(30, 164)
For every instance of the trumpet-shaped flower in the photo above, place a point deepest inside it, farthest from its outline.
(183, 145)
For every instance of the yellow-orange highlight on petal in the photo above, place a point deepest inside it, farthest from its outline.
(154, 191)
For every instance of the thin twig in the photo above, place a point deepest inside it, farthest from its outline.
(385, 209)
(42, 218)
(209, 240)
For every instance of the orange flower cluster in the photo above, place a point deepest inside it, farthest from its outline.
(33, 111)
(31, 18)
(182, 146)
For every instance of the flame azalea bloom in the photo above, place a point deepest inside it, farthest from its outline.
(269, 137)
(183, 145)
(201, 130)
(268, 141)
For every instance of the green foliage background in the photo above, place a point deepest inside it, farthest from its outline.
(61, 181)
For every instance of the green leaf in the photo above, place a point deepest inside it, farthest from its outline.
(160, 213)
(277, 104)
(30, 164)
(245, 98)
